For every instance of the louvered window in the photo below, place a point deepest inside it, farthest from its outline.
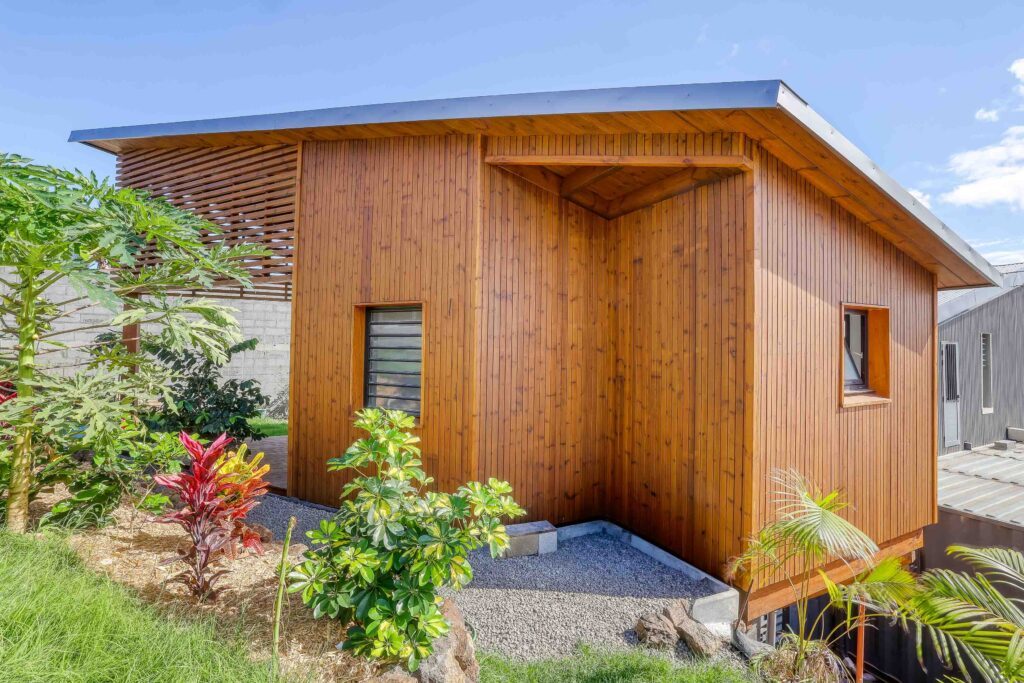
(987, 401)
(951, 381)
(394, 358)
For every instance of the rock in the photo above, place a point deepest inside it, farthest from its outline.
(656, 630)
(696, 635)
(395, 674)
(454, 657)
(750, 647)
(265, 534)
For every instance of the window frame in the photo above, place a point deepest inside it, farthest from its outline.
(861, 386)
(361, 356)
(988, 399)
(877, 355)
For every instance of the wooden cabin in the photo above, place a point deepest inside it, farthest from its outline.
(633, 303)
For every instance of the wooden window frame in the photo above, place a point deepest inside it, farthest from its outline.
(359, 342)
(878, 354)
(991, 406)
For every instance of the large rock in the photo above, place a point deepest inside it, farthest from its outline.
(454, 657)
(696, 635)
(656, 630)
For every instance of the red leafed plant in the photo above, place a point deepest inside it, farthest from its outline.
(214, 505)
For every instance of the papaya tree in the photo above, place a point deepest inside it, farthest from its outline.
(60, 227)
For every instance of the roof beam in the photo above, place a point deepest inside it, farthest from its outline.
(728, 161)
(585, 177)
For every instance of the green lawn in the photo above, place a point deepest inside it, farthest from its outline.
(61, 623)
(269, 426)
(592, 666)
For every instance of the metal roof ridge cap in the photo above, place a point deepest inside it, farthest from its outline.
(815, 123)
(678, 97)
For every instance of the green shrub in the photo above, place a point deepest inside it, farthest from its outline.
(121, 467)
(380, 561)
(203, 402)
(61, 623)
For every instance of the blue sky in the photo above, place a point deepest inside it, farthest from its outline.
(932, 91)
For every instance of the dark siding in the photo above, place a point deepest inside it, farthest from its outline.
(1004, 318)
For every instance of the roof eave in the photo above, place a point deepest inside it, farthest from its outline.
(796, 107)
(689, 97)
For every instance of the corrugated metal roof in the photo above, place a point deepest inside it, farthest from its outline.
(954, 302)
(984, 483)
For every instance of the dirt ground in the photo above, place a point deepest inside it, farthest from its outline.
(132, 552)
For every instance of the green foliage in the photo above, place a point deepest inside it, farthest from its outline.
(61, 623)
(121, 468)
(378, 564)
(966, 615)
(201, 401)
(807, 533)
(597, 666)
(58, 225)
(267, 426)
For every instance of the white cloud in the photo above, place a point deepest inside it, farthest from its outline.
(987, 115)
(920, 196)
(989, 175)
(1017, 69)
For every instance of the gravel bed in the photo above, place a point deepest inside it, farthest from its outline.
(274, 510)
(591, 590)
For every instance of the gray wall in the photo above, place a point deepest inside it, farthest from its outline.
(958, 529)
(268, 321)
(1004, 319)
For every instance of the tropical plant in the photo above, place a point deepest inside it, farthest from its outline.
(65, 226)
(214, 506)
(379, 563)
(122, 469)
(968, 616)
(808, 533)
(201, 400)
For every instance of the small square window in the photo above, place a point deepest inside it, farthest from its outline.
(865, 354)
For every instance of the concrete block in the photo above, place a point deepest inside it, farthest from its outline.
(1015, 433)
(531, 538)
(1003, 445)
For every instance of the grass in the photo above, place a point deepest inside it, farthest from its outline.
(269, 426)
(60, 622)
(595, 666)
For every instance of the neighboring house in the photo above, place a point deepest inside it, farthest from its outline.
(634, 304)
(981, 362)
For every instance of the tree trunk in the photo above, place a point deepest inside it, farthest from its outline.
(21, 466)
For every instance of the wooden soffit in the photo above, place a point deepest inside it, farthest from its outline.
(612, 186)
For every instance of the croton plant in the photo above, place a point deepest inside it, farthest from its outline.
(216, 491)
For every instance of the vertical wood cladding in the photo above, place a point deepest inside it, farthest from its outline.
(812, 255)
(650, 369)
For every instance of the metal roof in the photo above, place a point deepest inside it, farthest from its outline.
(688, 97)
(955, 302)
(984, 483)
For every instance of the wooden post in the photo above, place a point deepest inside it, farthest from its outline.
(860, 644)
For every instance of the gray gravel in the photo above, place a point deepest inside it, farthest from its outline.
(591, 590)
(274, 510)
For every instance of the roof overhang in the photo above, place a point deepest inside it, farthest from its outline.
(768, 111)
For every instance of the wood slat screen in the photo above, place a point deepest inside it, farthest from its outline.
(248, 192)
(394, 358)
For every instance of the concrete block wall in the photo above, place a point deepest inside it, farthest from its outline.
(268, 321)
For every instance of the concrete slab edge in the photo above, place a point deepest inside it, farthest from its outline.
(722, 606)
